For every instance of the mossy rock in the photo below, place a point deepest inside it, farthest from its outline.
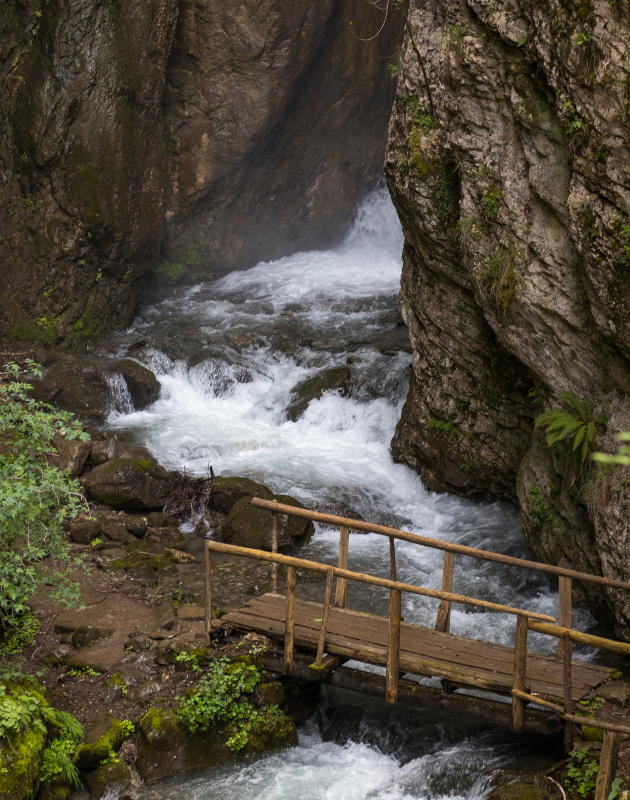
(55, 791)
(142, 384)
(78, 386)
(249, 526)
(270, 731)
(104, 735)
(107, 776)
(534, 787)
(20, 763)
(131, 484)
(228, 491)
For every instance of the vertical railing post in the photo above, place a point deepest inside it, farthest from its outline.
(274, 549)
(392, 558)
(443, 620)
(607, 764)
(520, 668)
(392, 673)
(326, 609)
(208, 593)
(289, 622)
(567, 654)
(341, 592)
(565, 607)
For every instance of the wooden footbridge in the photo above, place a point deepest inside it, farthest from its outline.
(337, 634)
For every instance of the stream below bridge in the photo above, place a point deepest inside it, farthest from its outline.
(231, 351)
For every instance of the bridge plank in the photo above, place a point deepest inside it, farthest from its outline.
(423, 651)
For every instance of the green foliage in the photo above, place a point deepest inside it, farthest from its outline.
(491, 202)
(57, 766)
(447, 427)
(418, 111)
(111, 758)
(189, 658)
(128, 728)
(467, 228)
(615, 789)
(35, 499)
(21, 635)
(622, 456)
(538, 506)
(499, 278)
(576, 427)
(86, 672)
(581, 774)
(19, 709)
(453, 36)
(217, 698)
(534, 396)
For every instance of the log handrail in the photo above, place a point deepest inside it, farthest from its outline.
(438, 544)
(301, 563)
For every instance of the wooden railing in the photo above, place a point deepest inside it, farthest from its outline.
(526, 620)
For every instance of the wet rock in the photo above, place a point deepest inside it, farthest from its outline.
(76, 385)
(113, 694)
(138, 644)
(141, 695)
(269, 694)
(85, 532)
(59, 656)
(248, 526)
(112, 448)
(158, 520)
(20, 762)
(165, 538)
(114, 777)
(616, 692)
(336, 379)
(102, 736)
(142, 384)
(534, 787)
(165, 748)
(131, 484)
(89, 634)
(71, 456)
(116, 531)
(136, 525)
(227, 491)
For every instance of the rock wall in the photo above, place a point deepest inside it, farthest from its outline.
(509, 164)
(194, 137)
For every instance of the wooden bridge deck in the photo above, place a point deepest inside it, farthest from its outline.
(464, 662)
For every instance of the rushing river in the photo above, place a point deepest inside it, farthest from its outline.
(227, 354)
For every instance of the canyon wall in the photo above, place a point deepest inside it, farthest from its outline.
(509, 163)
(175, 140)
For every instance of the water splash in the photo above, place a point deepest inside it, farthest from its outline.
(120, 403)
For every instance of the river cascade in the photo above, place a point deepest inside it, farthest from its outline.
(232, 351)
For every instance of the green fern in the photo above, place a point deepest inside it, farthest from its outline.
(57, 765)
(576, 427)
(622, 456)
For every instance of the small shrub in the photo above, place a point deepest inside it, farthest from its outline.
(576, 428)
(538, 506)
(491, 202)
(581, 774)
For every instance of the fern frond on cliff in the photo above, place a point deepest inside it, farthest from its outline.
(576, 425)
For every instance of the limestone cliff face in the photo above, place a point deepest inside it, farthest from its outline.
(509, 163)
(195, 137)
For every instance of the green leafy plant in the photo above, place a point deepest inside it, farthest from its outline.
(446, 427)
(35, 499)
(538, 506)
(615, 789)
(218, 698)
(20, 635)
(86, 672)
(128, 728)
(19, 709)
(491, 202)
(622, 456)
(575, 426)
(57, 766)
(581, 774)
(111, 758)
(189, 658)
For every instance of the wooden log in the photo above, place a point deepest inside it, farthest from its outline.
(520, 669)
(443, 621)
(607, 765)
(392, 559)
(208, 593)
(568, 702)
(301, 563)
(581, 638)
(486, 555)
(592, 723)
(392, 673)
(274, 549)
(289, 622)
(341, 592)
(565, 607)
(326, 609)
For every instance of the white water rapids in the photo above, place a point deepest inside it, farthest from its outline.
(227, 354)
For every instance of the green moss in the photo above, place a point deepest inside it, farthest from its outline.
(271, 728)
(36, 329)
(115, 773)
(20, 765)
(187, 262)
(143, 466)
(89, 756)
(86, 328)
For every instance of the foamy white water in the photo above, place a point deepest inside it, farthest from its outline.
(227, 355)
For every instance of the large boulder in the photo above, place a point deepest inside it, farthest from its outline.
(111, 448)
(142, 384)
(76, 385)
(227, 491)
(131, 484)
(71, 455)
(20, 763)
(248, 526)
(165, 748)
(103, 736)
(336, 379)
(108, 778)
